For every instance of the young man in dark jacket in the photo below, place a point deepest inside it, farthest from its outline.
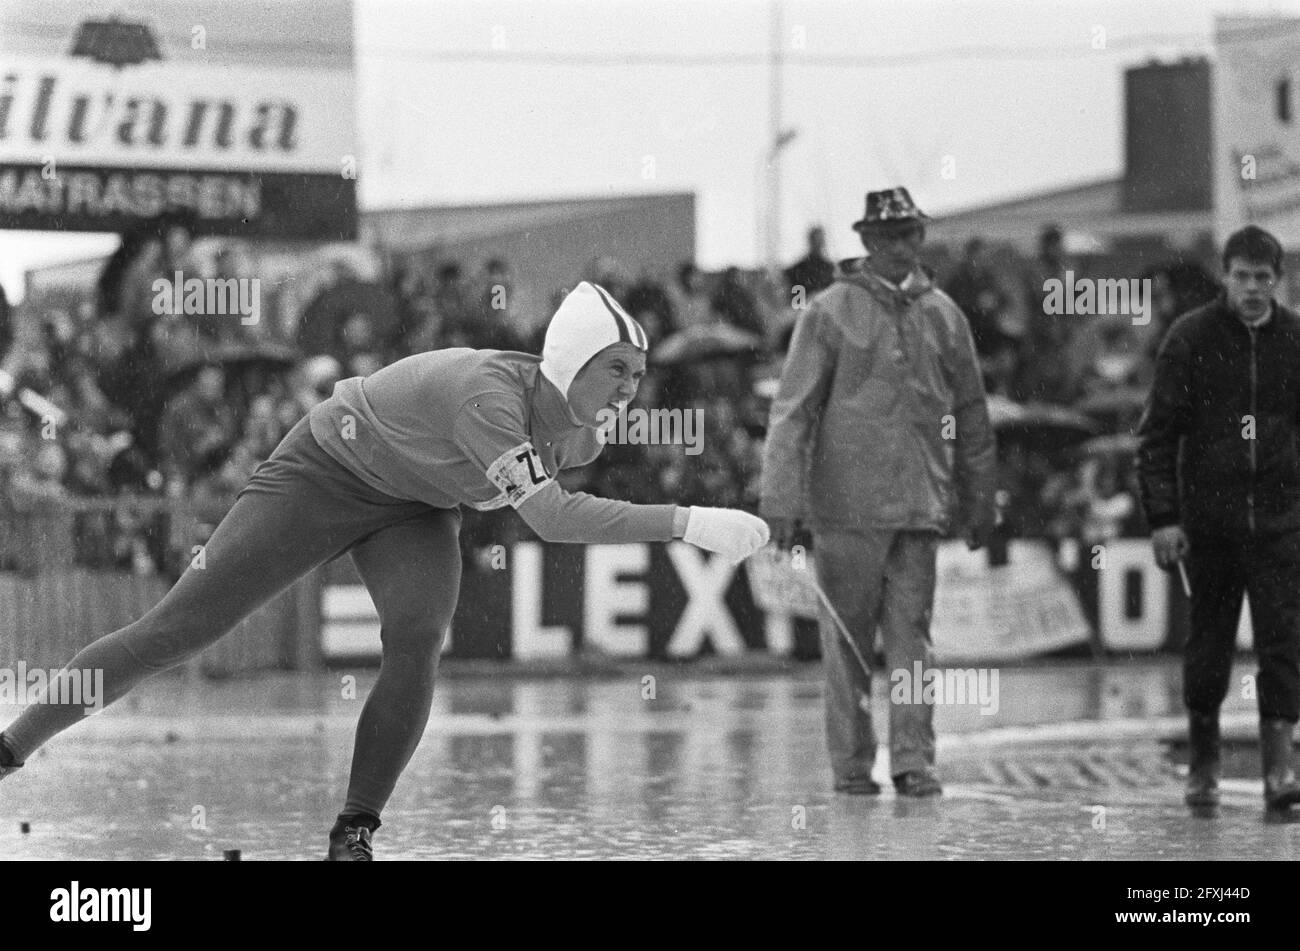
(1227, 396)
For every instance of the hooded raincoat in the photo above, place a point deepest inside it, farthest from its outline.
(880, 421)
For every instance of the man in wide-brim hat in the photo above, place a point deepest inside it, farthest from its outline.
(880, 441)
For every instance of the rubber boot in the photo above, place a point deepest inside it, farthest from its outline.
(1281, 791)
(1203, 759)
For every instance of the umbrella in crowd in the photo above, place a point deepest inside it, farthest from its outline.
(1115, 407)
(699, 344)
(1115, 445)
(248, 363)
(241, 356)
(1039, 427)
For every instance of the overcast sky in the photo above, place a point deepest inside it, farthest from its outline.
(472, 100)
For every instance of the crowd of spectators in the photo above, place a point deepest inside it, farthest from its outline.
(1032, 355)
(1089, 372)
(184, 406)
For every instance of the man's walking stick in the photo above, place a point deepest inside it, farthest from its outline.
(839, 623)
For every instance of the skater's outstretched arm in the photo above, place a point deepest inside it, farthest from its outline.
(489, 432)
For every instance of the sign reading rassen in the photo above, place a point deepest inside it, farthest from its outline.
(232, 113)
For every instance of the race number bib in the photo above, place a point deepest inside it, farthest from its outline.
(518, 473)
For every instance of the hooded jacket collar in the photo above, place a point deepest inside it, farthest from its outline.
(918, 283)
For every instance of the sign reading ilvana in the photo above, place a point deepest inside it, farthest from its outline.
(231, 113)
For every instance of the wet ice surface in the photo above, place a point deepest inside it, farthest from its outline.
(711, 768)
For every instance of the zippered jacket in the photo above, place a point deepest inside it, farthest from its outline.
(1218, 451)
(880, 419)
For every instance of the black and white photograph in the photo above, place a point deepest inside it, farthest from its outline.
(641, 430)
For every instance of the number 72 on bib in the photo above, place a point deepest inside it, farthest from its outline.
(518, 473)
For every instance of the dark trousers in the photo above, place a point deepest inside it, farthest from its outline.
(1221, 570)
(879, 578)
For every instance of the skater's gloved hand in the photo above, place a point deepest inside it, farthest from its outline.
(784, 530)
(7, 383)
(1170, 545)
(729, 532)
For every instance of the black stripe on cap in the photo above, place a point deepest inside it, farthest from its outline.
(637, 336)
(623, 336)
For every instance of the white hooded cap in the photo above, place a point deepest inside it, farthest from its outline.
(587, 321)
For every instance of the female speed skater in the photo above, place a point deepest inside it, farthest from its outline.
(379, 470)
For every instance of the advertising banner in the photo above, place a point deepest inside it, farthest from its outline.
(672, 602)
(230, 113)
(1256, 135)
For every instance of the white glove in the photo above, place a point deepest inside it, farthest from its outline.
(6, 384)
(731, 533)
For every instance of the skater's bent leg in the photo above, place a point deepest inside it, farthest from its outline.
(412, 571)
(262, 545)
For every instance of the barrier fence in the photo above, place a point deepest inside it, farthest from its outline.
(73, 570)
(670, 602)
